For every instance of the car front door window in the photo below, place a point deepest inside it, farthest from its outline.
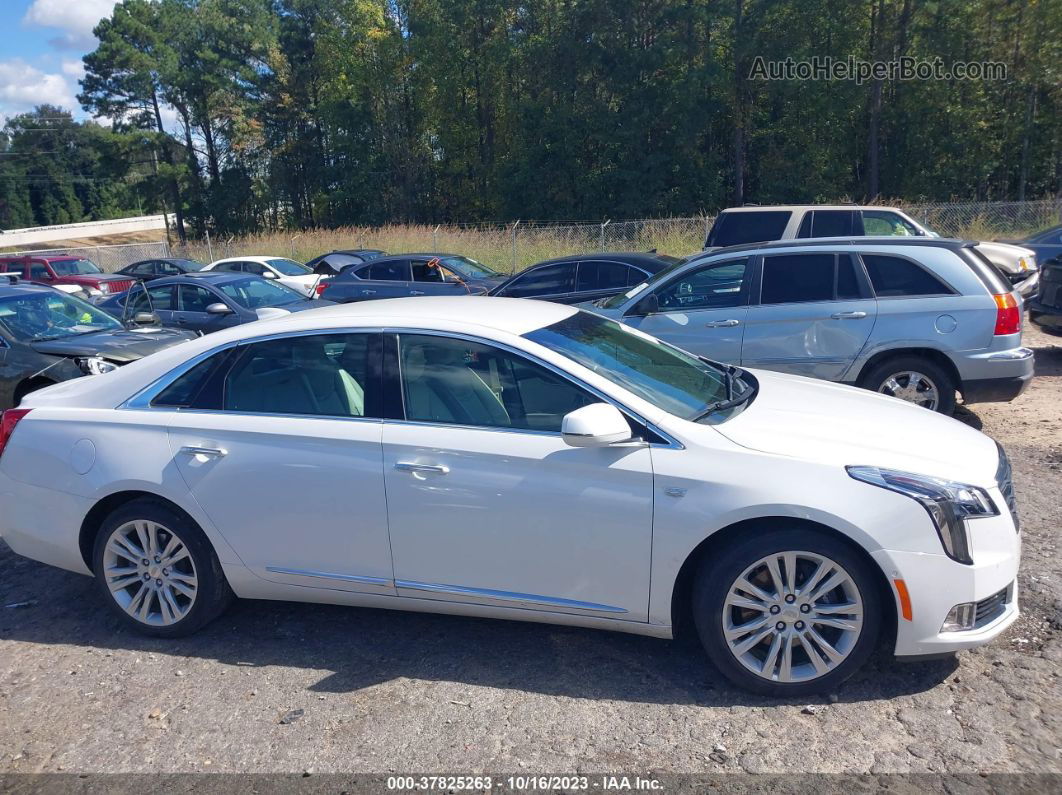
(881, 223)
(720, 284)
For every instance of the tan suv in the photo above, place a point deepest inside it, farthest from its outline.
(755, 224)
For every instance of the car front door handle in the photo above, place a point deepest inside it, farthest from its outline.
(848, 315)
(416, 292)
(409, 466)
(205, 452)
(368, 292)
(722, 324)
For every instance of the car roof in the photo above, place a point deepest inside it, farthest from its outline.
(646, 259)
(45, 257)
(21, 288)
(259, 258)
(839, 242)
(353, 251)
(751, 208)
(211, 277)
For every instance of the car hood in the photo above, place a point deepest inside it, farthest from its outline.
(842, 425)
(122, 346)
(1007, 256)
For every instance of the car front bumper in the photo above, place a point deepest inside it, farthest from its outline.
(936, 583)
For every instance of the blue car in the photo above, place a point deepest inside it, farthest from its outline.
(209, 301)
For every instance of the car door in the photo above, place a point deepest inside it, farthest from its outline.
(487, 502)
(192, 310)
(814, 315)
(702, 309)
(390, 279)
(286, 461)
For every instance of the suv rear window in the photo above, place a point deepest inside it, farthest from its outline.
(736, 228)
(896, 276)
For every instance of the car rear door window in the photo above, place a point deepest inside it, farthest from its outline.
(604, 275)
(546, 280)
(798, 278)
(748, 226)
(395, 271)
(828, 223)
(196, 299)
(325, 375)
(895, 276)
(460, 382)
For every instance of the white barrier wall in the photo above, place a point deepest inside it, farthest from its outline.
(116, 226)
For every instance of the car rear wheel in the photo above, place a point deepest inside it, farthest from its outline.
(915, 379)
(787, 612)
(158, 571)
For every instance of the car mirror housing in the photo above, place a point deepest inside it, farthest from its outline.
(268, 275)
(596, 425)
(219, 309)
(146, 319)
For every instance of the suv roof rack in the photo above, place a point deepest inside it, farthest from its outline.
(929, 242)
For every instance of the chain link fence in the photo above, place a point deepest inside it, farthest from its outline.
(109, 258)
(511, 247)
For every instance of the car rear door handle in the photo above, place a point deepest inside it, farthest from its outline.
(208, 452)
(416, 292)
(848, 315)
(368, 292)
(409, 466)
(722, 323)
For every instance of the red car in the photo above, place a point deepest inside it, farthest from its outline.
(66, 269)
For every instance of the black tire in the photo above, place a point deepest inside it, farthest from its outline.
(212, 594)
(874, 378)
(718, 573)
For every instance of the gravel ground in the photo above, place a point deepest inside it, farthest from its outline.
(276, 687)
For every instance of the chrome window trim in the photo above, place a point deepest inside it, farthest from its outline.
(326, 575)
(535, 600)
(672, 442)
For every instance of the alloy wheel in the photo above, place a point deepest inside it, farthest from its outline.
(912, 386)
(792, 616)
(150, 573)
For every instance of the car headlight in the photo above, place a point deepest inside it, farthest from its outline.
(948, 503)
(94, 365)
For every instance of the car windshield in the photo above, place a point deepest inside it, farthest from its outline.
(288, 267)
(37, 316)
(255, 293)
(468, 268)
(74, 267)
(667, 377)
(621, 298)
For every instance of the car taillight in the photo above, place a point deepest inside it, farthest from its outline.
(8, 420)
(1008, 314)
(321, 288)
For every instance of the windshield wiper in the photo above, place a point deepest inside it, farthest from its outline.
(733, 374)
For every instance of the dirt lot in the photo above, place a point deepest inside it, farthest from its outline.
(276, 687)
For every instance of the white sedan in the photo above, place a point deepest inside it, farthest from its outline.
(523, 460)
(284, 271)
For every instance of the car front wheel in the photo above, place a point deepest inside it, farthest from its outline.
(158, 571)
(787, 612)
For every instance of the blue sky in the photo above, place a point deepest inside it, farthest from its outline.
(41, 56)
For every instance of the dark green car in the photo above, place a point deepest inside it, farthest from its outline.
(47, 336)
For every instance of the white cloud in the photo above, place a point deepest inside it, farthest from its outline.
(23, 87)
(75, 18)
(73, 68)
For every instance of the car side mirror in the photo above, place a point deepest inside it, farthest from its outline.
(596, 425)
(219, 309)
(268, 275)
(648, 305)
(146, 319)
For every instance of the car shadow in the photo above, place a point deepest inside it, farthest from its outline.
(362, 647)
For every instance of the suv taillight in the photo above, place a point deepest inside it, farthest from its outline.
(1008, 314)
(8, 420)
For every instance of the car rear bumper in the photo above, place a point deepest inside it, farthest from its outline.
(998, 376)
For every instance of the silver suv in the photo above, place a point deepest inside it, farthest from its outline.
(916, 319)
